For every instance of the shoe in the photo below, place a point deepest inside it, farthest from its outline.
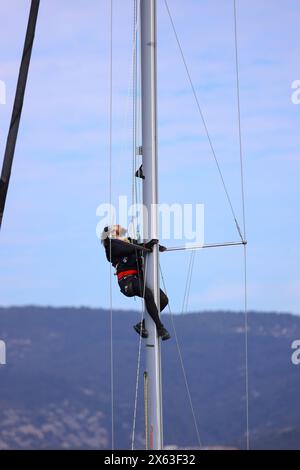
(141, 330)
(163, 333)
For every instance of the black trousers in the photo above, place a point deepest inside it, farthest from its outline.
(134, 286)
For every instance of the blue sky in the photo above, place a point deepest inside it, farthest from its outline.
(49, 251)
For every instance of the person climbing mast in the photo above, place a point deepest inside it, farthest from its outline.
(126, 255)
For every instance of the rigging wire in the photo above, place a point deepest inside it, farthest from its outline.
(246, 326)
(135, 122)
(203, 120)
(135, 196)
(127, 113)
(241, 234)
(138, 181)
(134, 108)
(139, 360)
(136, 118)
(241, 150)
(188, 282)
(182, 363)
(110, 202)
(241, 154)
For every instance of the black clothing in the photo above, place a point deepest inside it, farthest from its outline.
(134, 286)
(126, 256)
(140, 328)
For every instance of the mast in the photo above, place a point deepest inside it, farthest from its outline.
(150, 201)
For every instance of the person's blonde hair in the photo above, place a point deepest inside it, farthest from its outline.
(111, 232)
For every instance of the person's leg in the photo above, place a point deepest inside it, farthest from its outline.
(132, 287)
(126, 287)
(143, 291)
(151, 307)
(163, 300)
(137, 288)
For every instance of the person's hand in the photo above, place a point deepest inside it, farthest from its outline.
(149, 245)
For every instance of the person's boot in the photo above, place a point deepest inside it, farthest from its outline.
(163, 333)
(141, 329)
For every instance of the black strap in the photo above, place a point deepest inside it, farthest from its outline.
(18, 105)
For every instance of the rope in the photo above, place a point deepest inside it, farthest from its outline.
(203, 121)
(246, 348)
(182, 364)
(146, 409)
(139, 360)
(134, 101)
(139, 181)
(239, 118)
(188, 283)
(241, 153)
(134, 121)
(135, 113)
(135, 131)
(242, 235)
(110, 201)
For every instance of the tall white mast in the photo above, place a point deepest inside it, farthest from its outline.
(150, 201)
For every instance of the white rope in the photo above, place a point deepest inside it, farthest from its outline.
(135, 195)
(139, 181)
(244, 224)
(188, 283)
(246, 348)
(134, 93)
(182, 364)
(110, 201)
(239, 118)
(203, 120)
(134, 102)
(138, 360)
(242, 235)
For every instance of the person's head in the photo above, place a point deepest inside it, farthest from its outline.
(113, 231)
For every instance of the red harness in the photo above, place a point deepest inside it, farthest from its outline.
(130, 272)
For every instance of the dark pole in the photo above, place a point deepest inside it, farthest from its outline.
(18, 105)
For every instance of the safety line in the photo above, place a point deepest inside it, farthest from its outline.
(139, 358)
(182, 365)
(203, 120)
(110, 201)
(244, 223)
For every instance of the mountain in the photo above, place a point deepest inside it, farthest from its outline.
(55, 390)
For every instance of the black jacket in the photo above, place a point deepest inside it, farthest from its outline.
(124, 255)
